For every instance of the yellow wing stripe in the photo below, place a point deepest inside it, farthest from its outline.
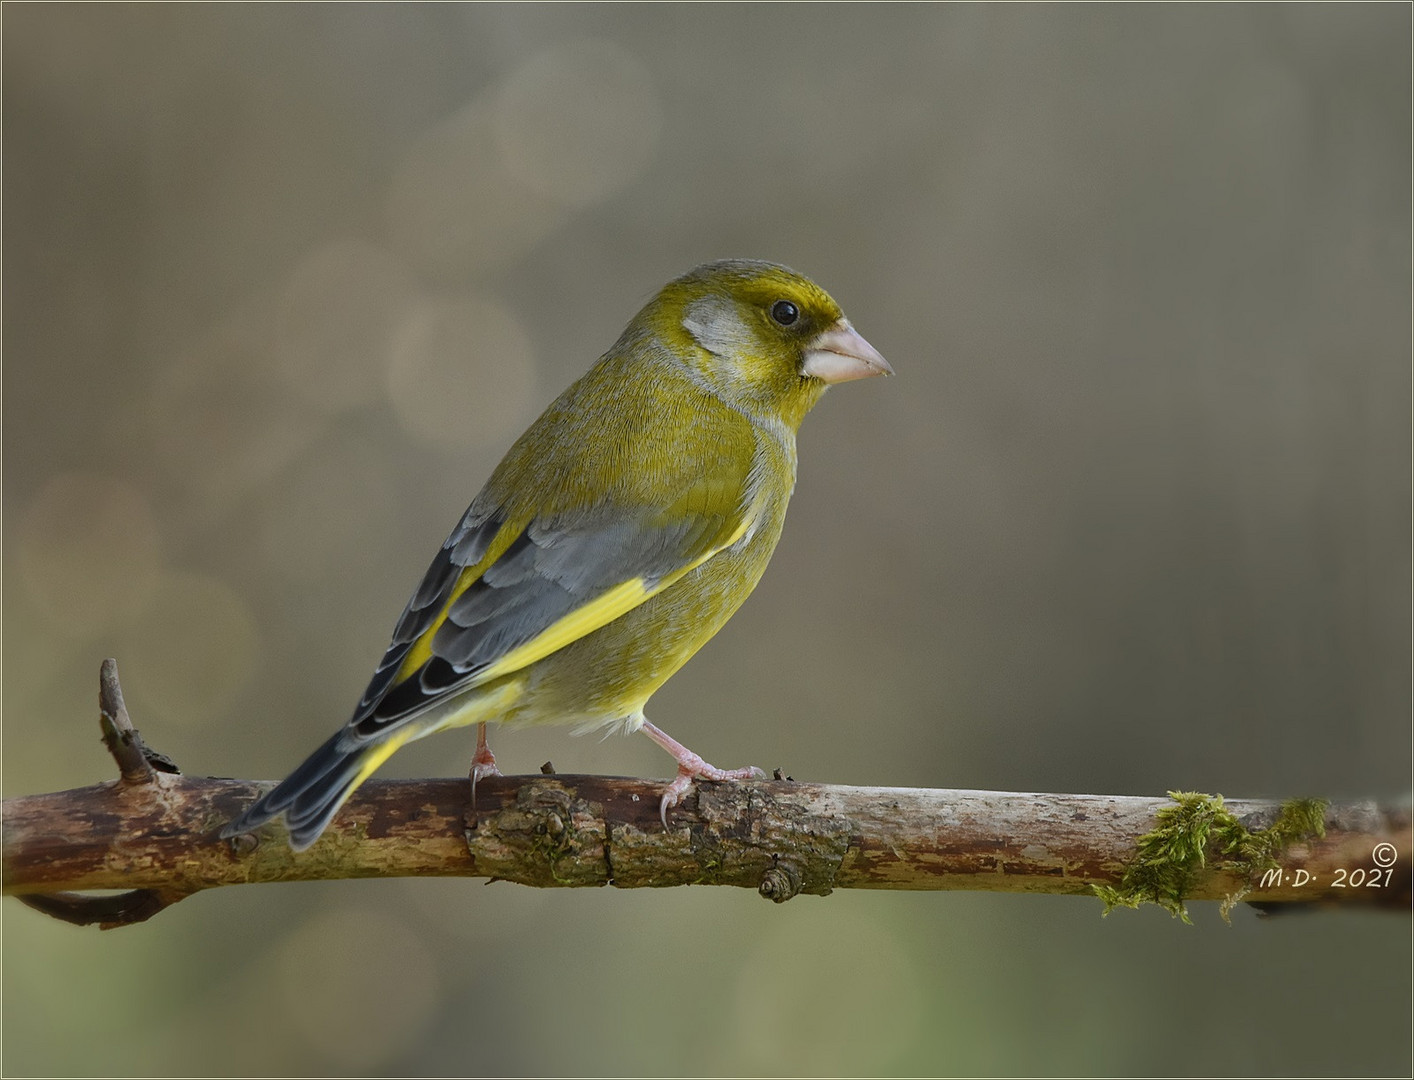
(584, 620)
(601, 611)
(421, 650)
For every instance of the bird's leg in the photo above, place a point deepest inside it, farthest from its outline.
(483, 762)
(690, 767)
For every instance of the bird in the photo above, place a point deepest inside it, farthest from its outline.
(618, 534)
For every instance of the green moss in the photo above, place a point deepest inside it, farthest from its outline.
(1196, 827)
(709, 860)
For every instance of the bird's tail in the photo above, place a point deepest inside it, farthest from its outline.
(311, 795)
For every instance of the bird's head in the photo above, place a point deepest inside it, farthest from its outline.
(761, 336)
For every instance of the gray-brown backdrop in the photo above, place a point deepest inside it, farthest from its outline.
(282, 283)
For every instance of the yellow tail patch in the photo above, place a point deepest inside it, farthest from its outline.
(381, 753)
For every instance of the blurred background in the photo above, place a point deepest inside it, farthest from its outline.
(283, 283)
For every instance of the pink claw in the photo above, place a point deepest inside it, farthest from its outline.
(483, 762)
(691, 767)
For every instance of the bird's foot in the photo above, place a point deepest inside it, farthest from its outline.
(691, 767)
(484, 765)
(483, 762)
(703, 771)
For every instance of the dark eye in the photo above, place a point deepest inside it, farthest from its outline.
(784, 312)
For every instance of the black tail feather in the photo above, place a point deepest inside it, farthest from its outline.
(310, 796)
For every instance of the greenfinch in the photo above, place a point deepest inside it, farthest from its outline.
(618, 534)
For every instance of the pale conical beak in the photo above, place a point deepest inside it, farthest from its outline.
(840, 354)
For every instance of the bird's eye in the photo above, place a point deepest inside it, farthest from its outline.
(784, 312)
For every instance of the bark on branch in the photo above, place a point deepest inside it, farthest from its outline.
(155, 832)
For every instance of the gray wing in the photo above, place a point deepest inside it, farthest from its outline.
(549, 571)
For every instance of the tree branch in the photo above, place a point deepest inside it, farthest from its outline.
(157, 835)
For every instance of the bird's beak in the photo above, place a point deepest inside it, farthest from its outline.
(840, 354)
